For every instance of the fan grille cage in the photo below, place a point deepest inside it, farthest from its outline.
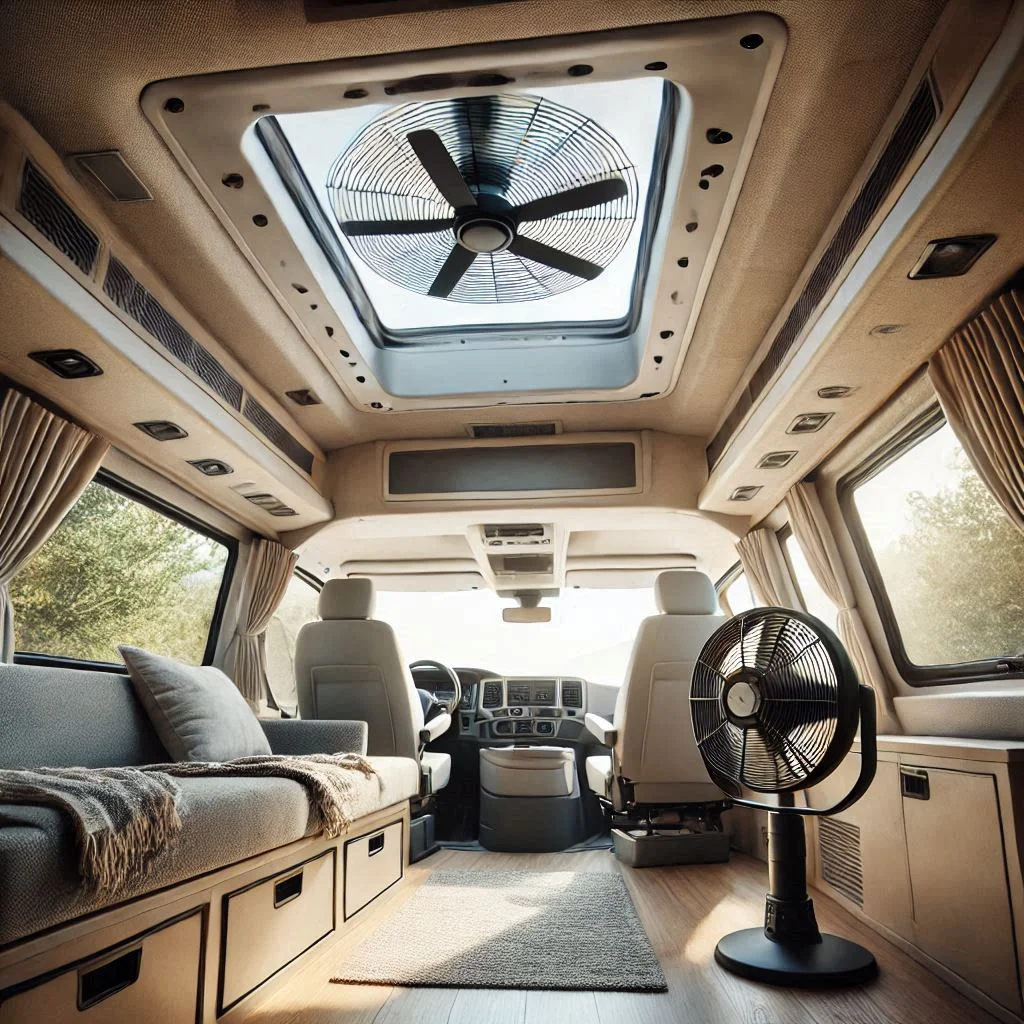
(808, 701)
(519, 147)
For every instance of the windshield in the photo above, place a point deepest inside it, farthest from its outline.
(590, 634)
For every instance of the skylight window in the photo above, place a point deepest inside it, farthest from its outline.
(490, 251)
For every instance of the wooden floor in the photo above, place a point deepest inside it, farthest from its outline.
(685, 911)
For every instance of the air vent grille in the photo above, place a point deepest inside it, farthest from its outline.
(132, 298)
(839, 852)
(44, 209)
(572, 695)
(274, 432)
(512, 429)
(915, 124)
(494, 694)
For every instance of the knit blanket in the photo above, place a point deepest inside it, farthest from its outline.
(123, 818)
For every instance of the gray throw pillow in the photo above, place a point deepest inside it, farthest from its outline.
(198, 713)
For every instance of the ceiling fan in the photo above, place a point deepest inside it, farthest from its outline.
(519, 218)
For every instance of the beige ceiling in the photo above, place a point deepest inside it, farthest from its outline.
(76, 70)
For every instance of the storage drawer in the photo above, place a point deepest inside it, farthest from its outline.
(271, 922)
(373, 863)
(153, 977)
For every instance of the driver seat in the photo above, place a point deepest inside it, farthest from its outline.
(348, 666)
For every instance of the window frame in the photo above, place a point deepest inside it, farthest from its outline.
(923, 425)
(725, 581)
(134, 493)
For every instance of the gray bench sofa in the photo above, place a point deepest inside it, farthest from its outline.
(65, 717)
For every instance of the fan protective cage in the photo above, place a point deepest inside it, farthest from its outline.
(519, 147)
(806, 708)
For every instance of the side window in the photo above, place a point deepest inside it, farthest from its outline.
(298, 606)
(736, 596)
(814, 599)
(944, 561)
(118, 571)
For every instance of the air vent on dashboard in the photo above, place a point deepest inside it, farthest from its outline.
(572, 695)
(494, 694)
(512, 429)
(132, 298)
(908, 134)
(274, 432)
(839, 853)
(44, 209)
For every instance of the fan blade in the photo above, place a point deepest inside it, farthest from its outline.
(395, 227)
(573, 199)
(528, 249)
(458, 262)
(438, 163)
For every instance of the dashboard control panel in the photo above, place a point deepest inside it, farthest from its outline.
(528, 706)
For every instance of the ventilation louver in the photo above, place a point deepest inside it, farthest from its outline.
(839, 853)
(915, 124)
(43, 208)
(275, 433)
(512, 429)
(572, 695)
(493, 694)
(132, 298)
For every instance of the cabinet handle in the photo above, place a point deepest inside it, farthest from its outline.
(376, 844)
(287, 890)
(102, 982)
(914, 783)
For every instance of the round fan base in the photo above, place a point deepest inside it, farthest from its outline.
(832, 962)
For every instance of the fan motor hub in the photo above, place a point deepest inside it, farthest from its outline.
(741, 697)
(490, 226)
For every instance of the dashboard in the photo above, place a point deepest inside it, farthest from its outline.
(520, 708)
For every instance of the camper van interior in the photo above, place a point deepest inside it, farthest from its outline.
(512, 511)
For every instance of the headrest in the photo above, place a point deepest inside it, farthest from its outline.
(347, 599)
(685, 592)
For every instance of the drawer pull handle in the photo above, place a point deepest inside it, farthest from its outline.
(101, 982)
(376, 844)
(288, 890)
(914, 783)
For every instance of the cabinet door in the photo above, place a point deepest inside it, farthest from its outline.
(958, 880)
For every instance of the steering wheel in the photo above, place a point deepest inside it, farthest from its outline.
(449, 703)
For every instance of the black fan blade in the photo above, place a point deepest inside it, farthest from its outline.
(573, 199)
(438, 163)
(458, 262)
(528, 249)
(395, 227)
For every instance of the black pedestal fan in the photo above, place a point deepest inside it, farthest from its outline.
(775, 704)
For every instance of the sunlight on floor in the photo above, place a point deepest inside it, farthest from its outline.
(722, 919)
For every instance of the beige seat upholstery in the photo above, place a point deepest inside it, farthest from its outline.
(348, 665)
(654, 758)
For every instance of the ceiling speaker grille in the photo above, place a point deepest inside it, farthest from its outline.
(274, 432)
(43, 208)
(132, 298)
(915, 124)
(513, 429)
(839, 853)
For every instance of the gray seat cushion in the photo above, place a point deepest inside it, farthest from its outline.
(223, 821)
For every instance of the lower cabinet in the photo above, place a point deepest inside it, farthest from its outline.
(153, 977)
(271, 922)
(373, 863)
(958, 877)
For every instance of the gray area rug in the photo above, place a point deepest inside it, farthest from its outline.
(512, 929)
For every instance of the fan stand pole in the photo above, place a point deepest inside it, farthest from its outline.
(790, 950)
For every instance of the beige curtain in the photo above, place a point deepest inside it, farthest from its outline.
(979, 378)
(814, 535)
(765, 564)
(266, 579)
(45, 463)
